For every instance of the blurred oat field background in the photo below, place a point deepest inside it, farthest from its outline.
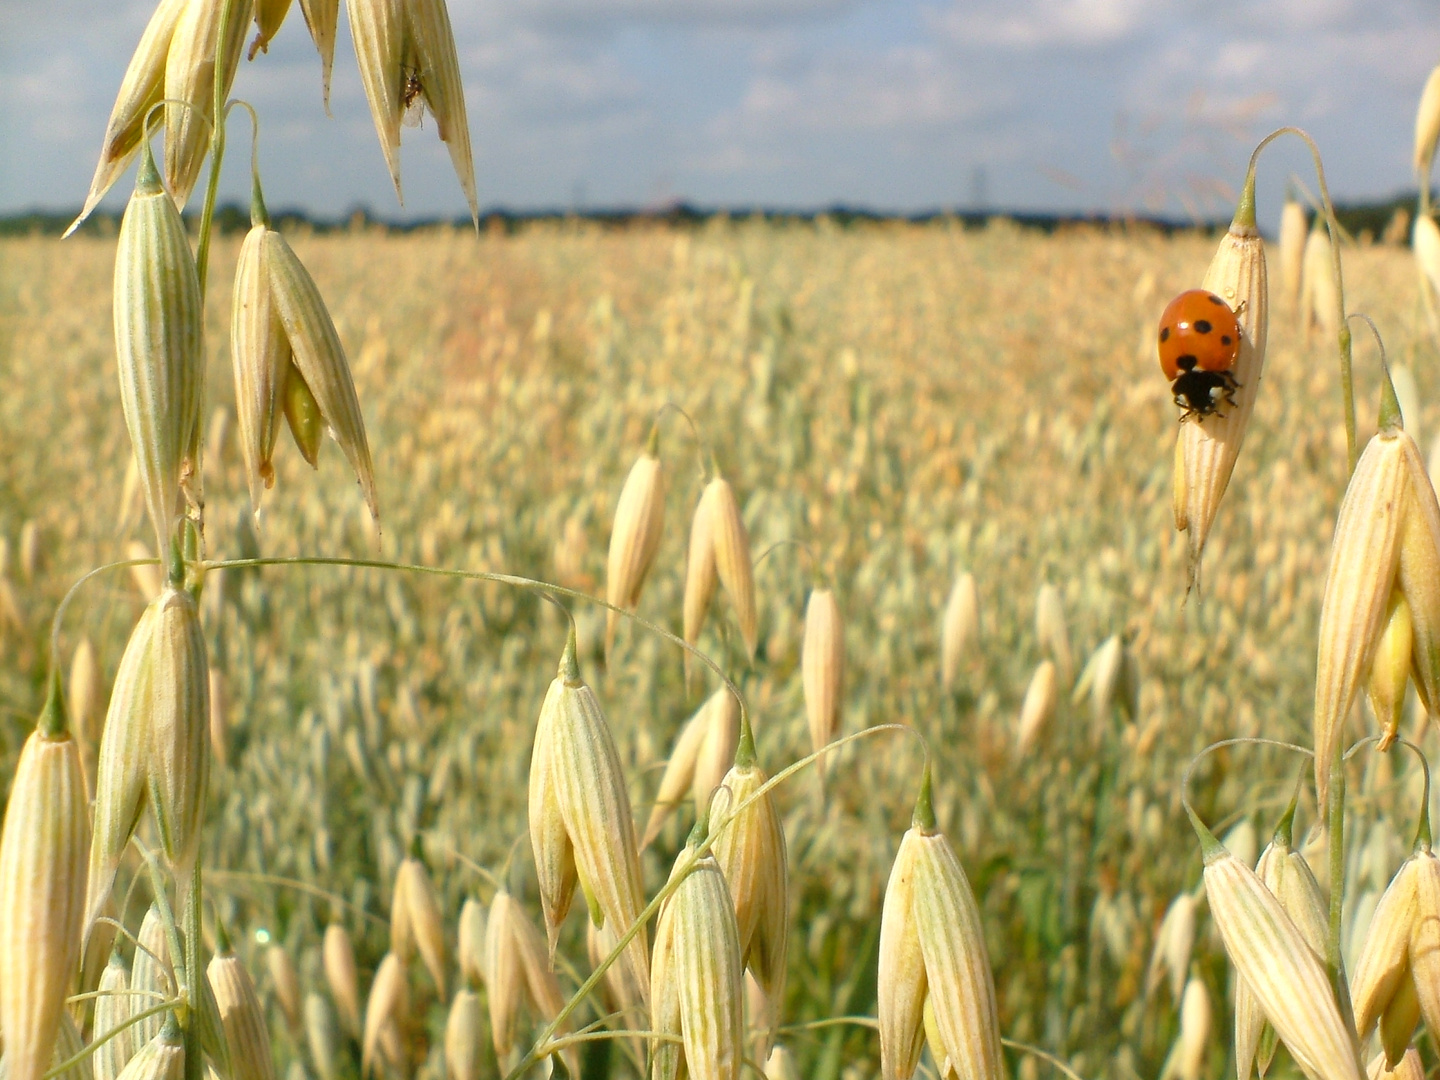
(909, 401)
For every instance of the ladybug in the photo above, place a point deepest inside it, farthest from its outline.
(1199, 341)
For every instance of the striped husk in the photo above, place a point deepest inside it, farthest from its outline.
(580, 820)
(159, 346)
(112, 1009)
(697, 977)
(1288, 980)
(42, 894)
(190, 69)
(242, 1018)
(161, 1058)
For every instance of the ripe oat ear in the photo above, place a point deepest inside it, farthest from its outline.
(636, 534)
(1208, 447)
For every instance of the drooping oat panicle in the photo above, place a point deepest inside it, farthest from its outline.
(424, 928)
(1173, 942)
(322, 1035)
(318, 359)
(161, 1058)
(635, 535)
(932, 950)
(1270, 953)
(43, 849)
(470, 949)
(1293, 230)
(112, 1009)
(580, 814)
(1427, 126)
(1051, 632)
(463, 1034)
(1038, 706)
(698, 977)
(750, 851)
(388, 1004)
(518, 975)
(158, 344)
(285, 981)
(1209, 446)
(959, 629)
(241, 1014)
(405, 50)
(1387, 536)
(321, 18)
(732, 558)
(822, 663)
(338, 961)
(190, 73)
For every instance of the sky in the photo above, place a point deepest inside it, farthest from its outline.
(1107, 106)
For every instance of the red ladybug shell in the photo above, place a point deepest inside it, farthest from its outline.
(1198, 332)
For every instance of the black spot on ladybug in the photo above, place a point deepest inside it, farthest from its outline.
(1164, 333)
(1224, 339)
(1186, 362)
(1215, 299)
(1202, 326)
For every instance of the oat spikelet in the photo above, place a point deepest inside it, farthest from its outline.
(1051, 632)
(161, 1058)
(699, 760)
(470, 951)
(286, 982)
(635, 536)
(1318, 298)
(1038, 706)
(112, 1010)
(43, 849)
(1387, 536)
(190, 68)
(388, 1004)
(338, 960)
(158, 344)
(462, 1037)
(933, 957)
(1209, 446)
(321, 1035)
(960, 628)
(580, 819)
(1187, 1058)
(321, 19)
(700, 575)
(750, 850)
(1270, 953)
(697, 976)
(1173, 942)
(518, 976)
(732, 559)
(425, 927)
(822, 662)
(241, 1014)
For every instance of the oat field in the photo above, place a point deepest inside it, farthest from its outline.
(895, 405)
